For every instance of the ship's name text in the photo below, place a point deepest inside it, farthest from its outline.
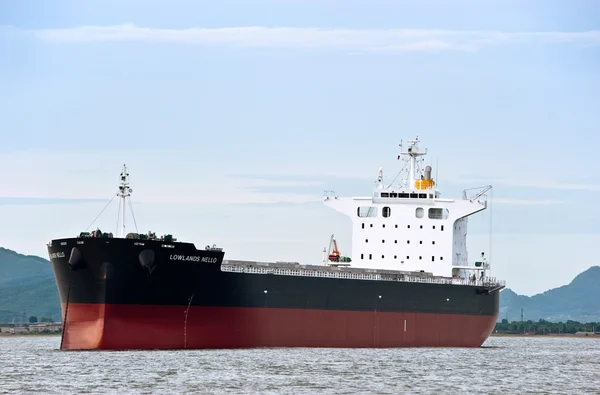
(191, 258)
(55, 255)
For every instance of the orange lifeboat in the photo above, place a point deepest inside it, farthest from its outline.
(424, 184)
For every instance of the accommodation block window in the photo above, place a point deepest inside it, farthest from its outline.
(366, 211)
(386, 212)
(438, 213)
(419, 212)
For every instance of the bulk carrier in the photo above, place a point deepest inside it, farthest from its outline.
(408, 282)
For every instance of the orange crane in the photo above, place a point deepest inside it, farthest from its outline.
(335, 255)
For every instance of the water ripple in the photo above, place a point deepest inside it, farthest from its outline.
(504, 365)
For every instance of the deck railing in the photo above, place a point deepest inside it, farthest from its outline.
(354, 273)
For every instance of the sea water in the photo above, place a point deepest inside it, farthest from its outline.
(504, 365)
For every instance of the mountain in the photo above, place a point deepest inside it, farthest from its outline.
(27, 287)
(577, 301)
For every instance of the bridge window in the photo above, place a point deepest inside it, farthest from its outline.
(386, 212)
(370, 256)
(362, 256)
(367, 211)
(438, 213)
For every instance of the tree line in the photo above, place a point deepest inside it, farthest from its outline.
(543, 327)
(33, 319)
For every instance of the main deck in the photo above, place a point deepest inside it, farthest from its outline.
(355, 273)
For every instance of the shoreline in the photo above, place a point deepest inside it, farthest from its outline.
(537, 335)
(29, 335)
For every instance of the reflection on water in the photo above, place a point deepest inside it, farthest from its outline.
(512, 365)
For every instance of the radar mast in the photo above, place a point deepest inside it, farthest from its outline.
(124, 192)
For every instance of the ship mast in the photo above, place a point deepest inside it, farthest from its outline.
(124, 192)
(413, 153)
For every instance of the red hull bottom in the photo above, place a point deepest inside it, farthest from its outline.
(99, 326)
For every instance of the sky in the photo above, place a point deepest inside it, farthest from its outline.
(233, 118)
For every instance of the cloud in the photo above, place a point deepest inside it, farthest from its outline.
(551, 185)
(529, 183)
(22, 201)
(96, 176)
(558, 185)
(526, 202)
(378, 40)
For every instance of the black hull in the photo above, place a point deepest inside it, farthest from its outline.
(111, 272)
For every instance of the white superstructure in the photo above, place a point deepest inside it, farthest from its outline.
(409, 226)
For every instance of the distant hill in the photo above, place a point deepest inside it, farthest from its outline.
(18, 269)
(26, 286)
(577, 301)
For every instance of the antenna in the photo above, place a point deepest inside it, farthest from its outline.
(124, 193)
(437, 169)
